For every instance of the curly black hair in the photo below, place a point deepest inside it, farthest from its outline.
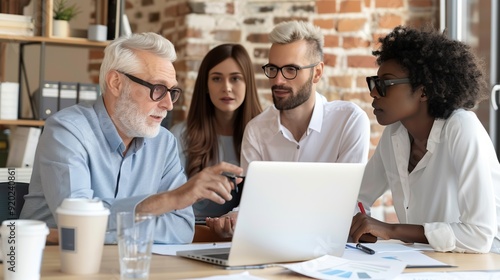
(451, 74)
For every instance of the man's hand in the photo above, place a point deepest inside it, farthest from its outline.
(206, 184)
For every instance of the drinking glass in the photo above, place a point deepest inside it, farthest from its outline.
(135, 234)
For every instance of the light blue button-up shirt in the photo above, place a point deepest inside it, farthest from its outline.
(80, 154)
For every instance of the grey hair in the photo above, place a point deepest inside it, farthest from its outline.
(292, 31)
(120, 53)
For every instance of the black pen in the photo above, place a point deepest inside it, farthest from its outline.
(232, 177)
(365, 249)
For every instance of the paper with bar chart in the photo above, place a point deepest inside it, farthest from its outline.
(331, 267)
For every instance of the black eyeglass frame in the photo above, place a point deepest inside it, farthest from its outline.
(232, 177)
(280, 69)
(382, 87)
(175, 92)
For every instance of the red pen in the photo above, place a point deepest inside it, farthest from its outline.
(361, 208)
(369, 235)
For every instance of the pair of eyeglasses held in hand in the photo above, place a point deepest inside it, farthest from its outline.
(232, 177)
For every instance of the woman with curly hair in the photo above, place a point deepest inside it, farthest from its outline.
(224, 100)
(434, 155)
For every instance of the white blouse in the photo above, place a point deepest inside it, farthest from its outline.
(454, 191)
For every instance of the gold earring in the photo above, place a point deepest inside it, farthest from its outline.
(423, 93)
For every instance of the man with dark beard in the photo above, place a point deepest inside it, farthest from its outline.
(302, 126)
(115, 150)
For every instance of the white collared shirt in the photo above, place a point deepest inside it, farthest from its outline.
(454, 190)
(339, 131)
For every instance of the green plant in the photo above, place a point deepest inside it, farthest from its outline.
(64, 12)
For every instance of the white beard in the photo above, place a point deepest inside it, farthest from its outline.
(132, 122)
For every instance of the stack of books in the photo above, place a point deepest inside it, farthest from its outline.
(19, 25)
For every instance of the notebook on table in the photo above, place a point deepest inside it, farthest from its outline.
(290, 211)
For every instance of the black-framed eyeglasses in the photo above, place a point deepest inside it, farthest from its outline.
(158, 91)
(382, 85)
(289, 72)
(232, 177)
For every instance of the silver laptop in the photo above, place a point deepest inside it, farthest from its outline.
(290, 211)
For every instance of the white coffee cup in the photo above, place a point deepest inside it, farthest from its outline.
(82, 226)
(22, 245)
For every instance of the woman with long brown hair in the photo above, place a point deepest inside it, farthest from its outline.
(224, 100)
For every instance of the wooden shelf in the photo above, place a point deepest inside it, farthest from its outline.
(22, 122)
(68, 41)
(45, 20)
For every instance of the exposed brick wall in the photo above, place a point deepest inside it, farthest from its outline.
(351, 29)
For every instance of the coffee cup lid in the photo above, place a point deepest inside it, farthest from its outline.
(24, 227)
(82, 206)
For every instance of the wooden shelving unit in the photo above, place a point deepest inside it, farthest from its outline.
(69, 41)
(22, 122)
(44, 39)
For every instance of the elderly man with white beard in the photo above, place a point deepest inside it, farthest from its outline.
(116, 150)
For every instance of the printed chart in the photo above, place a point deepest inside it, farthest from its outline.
(330, 267)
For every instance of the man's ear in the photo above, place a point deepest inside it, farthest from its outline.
(318, 72)
(114, 83)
